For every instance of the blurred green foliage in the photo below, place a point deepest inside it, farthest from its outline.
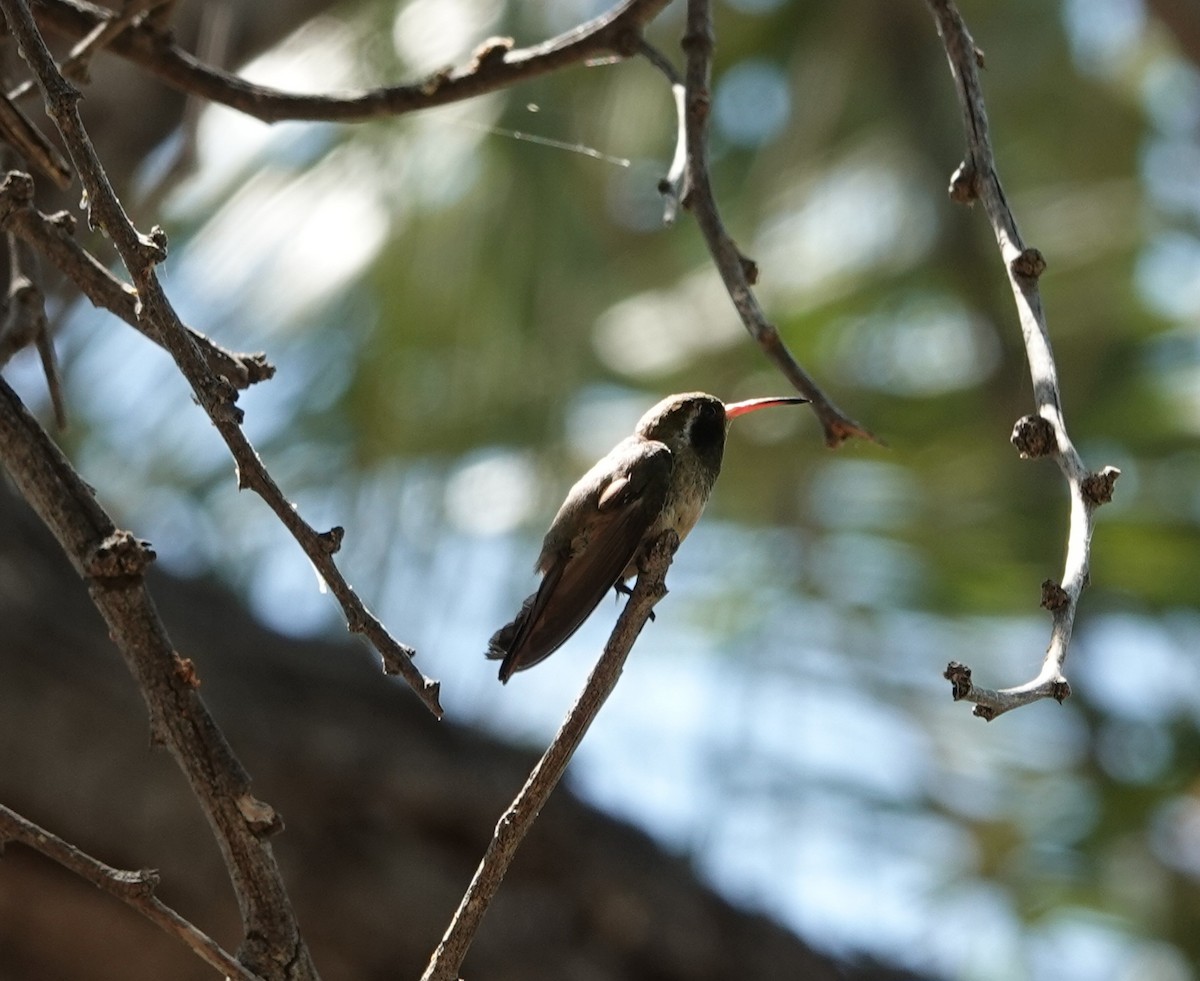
(514, 288)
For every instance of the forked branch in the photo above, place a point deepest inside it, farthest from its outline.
(141, 255)
(135, 889)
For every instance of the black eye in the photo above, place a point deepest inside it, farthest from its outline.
(708, 428)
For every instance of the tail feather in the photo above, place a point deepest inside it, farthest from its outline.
(502, 646)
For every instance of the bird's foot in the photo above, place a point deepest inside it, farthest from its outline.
(625, 590)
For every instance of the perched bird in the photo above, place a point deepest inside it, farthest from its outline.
(658, 478)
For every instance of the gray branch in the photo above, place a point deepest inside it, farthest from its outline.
(1045, 433)
(113, 564)
(159, 320)
(738, 271)
(521, 814)
(135, 889)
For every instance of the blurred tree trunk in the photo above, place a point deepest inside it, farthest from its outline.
(386, 813)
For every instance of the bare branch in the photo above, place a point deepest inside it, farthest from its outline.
(24, 308)
(673, 186)
(25, 322)
(141, 254)
(528, 804)
(27, 140)
(113, 563)
(977, 179)
(738, 271)
(135, 889)
(496, 65)
(53, 237)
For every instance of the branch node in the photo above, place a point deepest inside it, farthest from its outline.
(138, 884)
(64, 221)
(392, 660)
(260, 817)
(331, 540)
(154, 246)
(1097, 488)
(185, 671)
(959, 676)
(964, 187)
(18, 186)
(1030, 264)
(434, 82)
(1034, 436)
(1060, 690)
(490, 52)
(1054, 597)
(118, 556)
(985, 712)
(749, 268)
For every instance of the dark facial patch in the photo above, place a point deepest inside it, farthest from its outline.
(708, 432)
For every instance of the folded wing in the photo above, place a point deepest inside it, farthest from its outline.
(619, 511)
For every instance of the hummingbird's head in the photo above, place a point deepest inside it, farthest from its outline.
(691, 417)
(699, 421)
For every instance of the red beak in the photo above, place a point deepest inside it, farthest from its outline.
(735, 409)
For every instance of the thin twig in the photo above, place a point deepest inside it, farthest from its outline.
(28, 141)
(45, 349)
(24, 306)
(26, 324)
(519, 818)
(738, 271)
(113, 564)
(673, 187)
(141, 255)
(496, 65)
(135, 889)
(1044, 434)
(52, 236)
(78, 61)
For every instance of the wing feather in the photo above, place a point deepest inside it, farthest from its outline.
(580, 572)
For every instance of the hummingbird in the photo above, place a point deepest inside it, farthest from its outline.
(657, 479)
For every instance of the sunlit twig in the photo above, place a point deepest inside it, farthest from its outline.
(739, 272)
(141, 255)
(1042, 434)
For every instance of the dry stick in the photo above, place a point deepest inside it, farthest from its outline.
(113, 563)
(525, 808)
(1046, 432)
(673, 187)
(78, 61)
(495, 65)
(18, 130)
(738, 272)
(141, 254)
(24, 306)
(25, 323)
(52, 236)
(136, 889)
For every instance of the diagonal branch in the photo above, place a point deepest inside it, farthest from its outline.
(51, 235)
(738, 271)
(141, 254)
(525, 808)
(113, 564)
(495, 65)
(135, 889)
(1042, 434)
